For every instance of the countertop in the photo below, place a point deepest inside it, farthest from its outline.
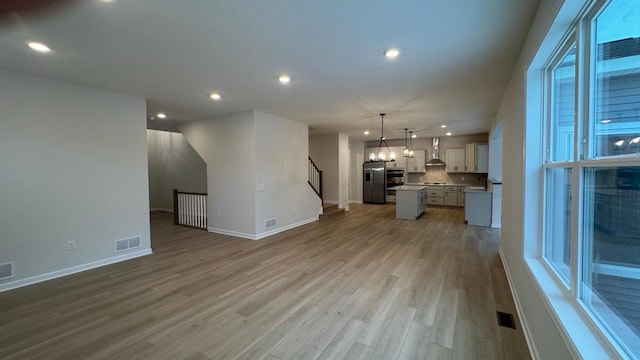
(408, 187)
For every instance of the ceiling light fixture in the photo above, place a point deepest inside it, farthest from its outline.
(443, 126)
(379, 155)
(635, 140)
(411, 152)
(366, 132)
(405, 151)
(284, 79)
(606, 121)
(619, 143)
(161, 116)
(391, 53)
(414, 136)
(215, 96)
(39, 47)
(449, 133)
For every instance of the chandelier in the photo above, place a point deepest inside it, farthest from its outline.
(381, 154)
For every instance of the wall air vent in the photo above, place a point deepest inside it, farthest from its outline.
(269, 223)
(126, 244)
(6, 270)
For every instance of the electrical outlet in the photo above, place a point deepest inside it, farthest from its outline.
(71, 245)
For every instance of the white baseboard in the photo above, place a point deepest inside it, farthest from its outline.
(261, 235)
(72, 270)
(232, 233)
(285, 228)
(161, 209)
(355, 202)
(496, 225)
(525, 326)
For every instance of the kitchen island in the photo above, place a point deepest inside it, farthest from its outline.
(411, 201)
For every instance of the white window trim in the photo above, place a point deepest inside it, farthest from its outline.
(578, 330)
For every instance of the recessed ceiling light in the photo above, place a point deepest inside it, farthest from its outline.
(449, 133)
(635, 140)
(161, 116)
(391, 53)
(413, 136)
(284, 79)
(215, 96)
(39, 47)
(366, 132)
(107, 1)
(619, 143)
(606, 121)
(443, 126)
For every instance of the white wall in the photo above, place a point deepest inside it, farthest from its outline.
(282, 166)
(173, 164)
(247, 150)
(73, 167)
(344, 159)
(355, 165)
(228, 146)
(547, 339)
(495, 153)
(324, 152)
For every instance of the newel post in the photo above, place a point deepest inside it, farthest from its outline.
(175, 207)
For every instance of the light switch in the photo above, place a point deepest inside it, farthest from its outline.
(260, 187)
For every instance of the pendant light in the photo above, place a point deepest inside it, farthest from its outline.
(410, 152)
(380, 154)
(405, 152)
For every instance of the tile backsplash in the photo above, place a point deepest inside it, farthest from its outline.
(438, 174)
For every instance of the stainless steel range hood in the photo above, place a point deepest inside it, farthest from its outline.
(435, 154)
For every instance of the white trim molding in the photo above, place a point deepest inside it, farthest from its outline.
(523, 321)
(72, 270)
(263, 234)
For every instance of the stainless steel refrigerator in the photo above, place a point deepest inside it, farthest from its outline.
(374, 188)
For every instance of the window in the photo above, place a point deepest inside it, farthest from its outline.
(591, 215)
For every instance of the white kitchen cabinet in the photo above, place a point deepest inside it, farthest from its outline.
(451, 195)
(410, 202)
(416, 163)
(477, 158)
(435, 194)
(454, 159)
(477, 207)
(460, 196)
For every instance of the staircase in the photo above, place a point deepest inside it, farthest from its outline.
(330, 210)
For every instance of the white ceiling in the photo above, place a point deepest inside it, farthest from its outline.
(456, 59)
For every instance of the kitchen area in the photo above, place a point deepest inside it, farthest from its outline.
(448, 172)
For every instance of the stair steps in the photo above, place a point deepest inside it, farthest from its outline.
(329, 211)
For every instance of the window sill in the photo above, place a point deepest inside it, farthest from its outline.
(582, 341)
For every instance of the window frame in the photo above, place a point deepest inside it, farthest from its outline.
(575, 291)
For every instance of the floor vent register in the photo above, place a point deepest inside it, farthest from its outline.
(506, 320)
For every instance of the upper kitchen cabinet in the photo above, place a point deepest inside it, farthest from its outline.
(416, 163)
(477, 158)
(454, 159)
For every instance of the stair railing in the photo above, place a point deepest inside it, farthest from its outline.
(190, 209)
(315, 178)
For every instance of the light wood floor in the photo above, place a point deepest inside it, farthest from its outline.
(359, 286)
